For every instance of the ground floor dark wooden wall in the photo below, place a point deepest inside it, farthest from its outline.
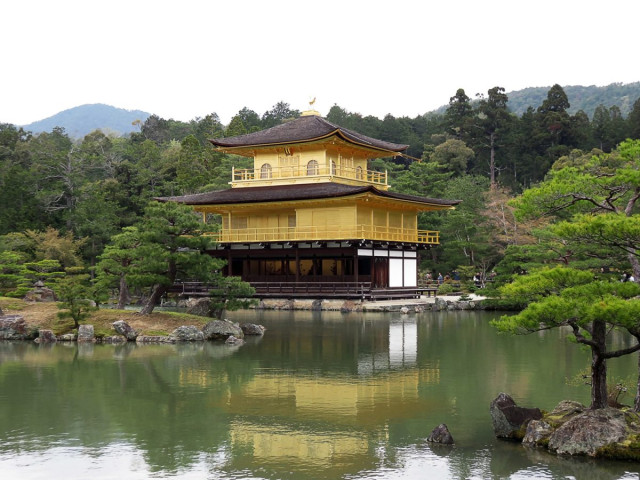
(344, 264)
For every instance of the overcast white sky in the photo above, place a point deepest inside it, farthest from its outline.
(183, 59)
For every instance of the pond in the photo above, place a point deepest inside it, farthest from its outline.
(322, 395)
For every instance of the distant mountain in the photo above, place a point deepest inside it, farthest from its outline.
(79, 121)
(580, 98)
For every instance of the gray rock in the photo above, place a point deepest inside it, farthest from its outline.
(41, 294)
(124, 329)
(234, 341)
(252, 329)
(86, 334)
(187, 333)
(67, 337)
(439, 304)
(46, 336)
(13, 327)
(441, 434)
(587, 432)
(538, 431)
(199, 306)
(316, 306)
(221, 330)
(509, 420)
(567, 409)
(404, 310)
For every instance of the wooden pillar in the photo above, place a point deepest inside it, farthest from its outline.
(229, 264)
(297, 264)
(373, 268)
(355, 265)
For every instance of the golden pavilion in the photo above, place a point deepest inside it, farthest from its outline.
(311, 220)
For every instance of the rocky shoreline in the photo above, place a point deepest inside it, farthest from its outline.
(569, 429)
(423, 304)
(14, 327)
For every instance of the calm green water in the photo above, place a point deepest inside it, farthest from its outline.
(320, 396)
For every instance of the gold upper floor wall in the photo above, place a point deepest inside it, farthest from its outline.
(337, 219)
(329, 160)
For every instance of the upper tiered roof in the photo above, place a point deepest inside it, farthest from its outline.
(291, 193)
(305, 129)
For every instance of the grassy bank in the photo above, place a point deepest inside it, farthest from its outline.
(44, 316)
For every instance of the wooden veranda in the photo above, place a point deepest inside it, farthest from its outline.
(328, 290)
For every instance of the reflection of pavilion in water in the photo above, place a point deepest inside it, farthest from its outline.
(319, 420)
(402, 350)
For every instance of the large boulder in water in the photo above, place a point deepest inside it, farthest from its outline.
(539, 431)
(13, 327)
(441, 434)
(187, 333)
(221, 330)
(589, 431)
(252, 329)
(46, 336)
(86, 334)
(509, 420)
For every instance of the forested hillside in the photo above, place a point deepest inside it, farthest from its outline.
(82, 120)
(582, 98)
(84, 192)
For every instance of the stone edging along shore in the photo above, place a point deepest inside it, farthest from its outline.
(418, 305)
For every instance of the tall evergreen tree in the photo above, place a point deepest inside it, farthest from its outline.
(494, 122)
(280, 112)
(458, 118)
(633, 120)
(555, 123)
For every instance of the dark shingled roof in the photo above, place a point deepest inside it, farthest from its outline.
(296, 192)
(304, 129)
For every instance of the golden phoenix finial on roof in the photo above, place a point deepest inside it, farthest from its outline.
(311, 102)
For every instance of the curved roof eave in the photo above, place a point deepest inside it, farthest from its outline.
(303, 130)
(300, 192)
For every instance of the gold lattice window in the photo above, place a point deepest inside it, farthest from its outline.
(288, 165)
(346, 166)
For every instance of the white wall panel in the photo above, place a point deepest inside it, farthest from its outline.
(410, 273)
(395, 272)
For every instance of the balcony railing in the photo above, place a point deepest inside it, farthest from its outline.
(329, 233)
(293, 172)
